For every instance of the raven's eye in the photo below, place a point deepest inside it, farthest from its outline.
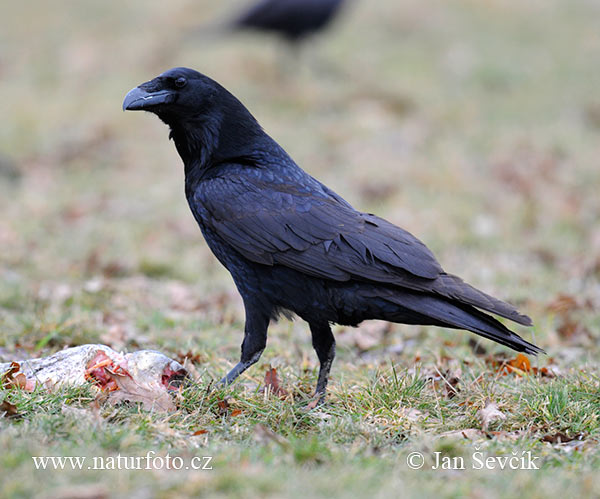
(180, 82)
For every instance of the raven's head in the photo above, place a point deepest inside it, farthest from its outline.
(206, 121)
(176, 94)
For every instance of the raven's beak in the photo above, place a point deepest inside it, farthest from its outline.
(138, 99)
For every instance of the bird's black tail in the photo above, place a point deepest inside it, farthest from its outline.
(454, 288)
(458, 315)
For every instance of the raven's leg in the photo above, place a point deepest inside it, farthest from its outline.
(324, 344)
(255, 340)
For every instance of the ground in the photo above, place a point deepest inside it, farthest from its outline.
(475, 125)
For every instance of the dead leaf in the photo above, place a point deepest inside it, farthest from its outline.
(199, 432)
(235, 412)
(272, 384)
(189, 356)
(566, 308)
(7, 379)
(14, 379)
(409, 413)
(223, 406)
(450, 379)
(561, 438)
(562, 305)
(521, 362)
(9, 410)
(521, 365)
(152, 395)
(549, 371)
(567, 329)
(94, 265)
(489, 414)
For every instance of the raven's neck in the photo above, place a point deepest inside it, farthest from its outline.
(204, 142)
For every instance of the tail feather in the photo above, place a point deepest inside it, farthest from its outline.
(463, 316)
(455, 288)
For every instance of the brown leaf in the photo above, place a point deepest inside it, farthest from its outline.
(14, 379)
(235, 412)
(223, 406)
(199, 432)
(151, 394)
(562, 305)
(272, 384)
(521, 362)
(9, 410)
(568, 328)
(550, 371)
(489, 414)
(561, 438)
(7, 378)
(521, 365)
(451, 387)
(566, 308)
(189, 356)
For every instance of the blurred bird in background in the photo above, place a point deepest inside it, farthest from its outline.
(293, 20)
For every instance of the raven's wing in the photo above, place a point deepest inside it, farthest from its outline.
(312, 231)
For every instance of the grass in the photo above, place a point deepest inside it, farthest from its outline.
(473, 125)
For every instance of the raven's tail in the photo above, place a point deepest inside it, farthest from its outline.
(454, 288)
(457, 315)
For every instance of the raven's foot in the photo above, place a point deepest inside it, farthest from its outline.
(232, 375)
(239, 368)
(318, 399)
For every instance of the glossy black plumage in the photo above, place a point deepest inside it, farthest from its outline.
(291, 19)
(291, 243)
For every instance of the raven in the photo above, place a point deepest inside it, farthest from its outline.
(291, 244)
(292, 19)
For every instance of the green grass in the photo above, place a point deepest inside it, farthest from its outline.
(471, 124)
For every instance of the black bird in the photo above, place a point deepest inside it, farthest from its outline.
(291, 19)
(291, 244)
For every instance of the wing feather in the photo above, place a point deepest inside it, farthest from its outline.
(311, 233)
